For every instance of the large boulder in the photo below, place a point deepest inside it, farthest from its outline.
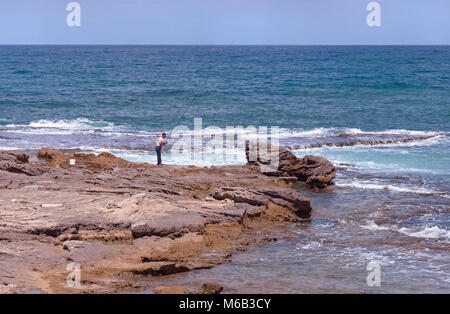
(315, 171)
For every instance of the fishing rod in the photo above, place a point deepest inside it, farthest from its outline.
(182, 116)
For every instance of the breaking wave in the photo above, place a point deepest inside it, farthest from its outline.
(427, 233)
(324, 132)
(79, 124)
(367, 185)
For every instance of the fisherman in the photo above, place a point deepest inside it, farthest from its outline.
(161, 142)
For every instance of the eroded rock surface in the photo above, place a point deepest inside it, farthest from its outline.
(315, 171)
(120, 220)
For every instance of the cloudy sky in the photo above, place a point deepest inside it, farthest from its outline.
(225, 22)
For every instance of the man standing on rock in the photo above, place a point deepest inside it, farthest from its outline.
(161, 142)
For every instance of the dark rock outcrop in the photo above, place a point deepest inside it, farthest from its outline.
(16, 162)
(315, 171)
(14, 156)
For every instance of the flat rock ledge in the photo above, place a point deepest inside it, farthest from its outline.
(120, 221)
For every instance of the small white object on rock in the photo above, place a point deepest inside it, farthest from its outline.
(51, 205)
(72, 162)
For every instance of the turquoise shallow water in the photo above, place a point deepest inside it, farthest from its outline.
(390, 104)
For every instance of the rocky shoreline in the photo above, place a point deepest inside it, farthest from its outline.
(122, 221)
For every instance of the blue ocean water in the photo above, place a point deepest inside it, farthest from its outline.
(389, 105)
(145, 88)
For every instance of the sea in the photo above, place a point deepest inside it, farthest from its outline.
(381, 114)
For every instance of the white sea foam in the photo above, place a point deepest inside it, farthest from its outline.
(367, 185)
(390, 167)
(40, 131)
(393, 132)
(427, 233)
(10, 148)
(283, 132)
(85, 123)
(45, 126)
(398, 188)
(435, 140)
(294, 133)
(358, 256)
(322, 132)
(76, 124)
(318, 132)
(309, 245)
(371, 225)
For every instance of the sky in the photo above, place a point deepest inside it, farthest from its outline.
(302, 22)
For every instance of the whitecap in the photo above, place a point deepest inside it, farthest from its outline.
(427, 233)
(371, 225)
(308, 246)
(64, 124)
(320, 132)
(388, 187)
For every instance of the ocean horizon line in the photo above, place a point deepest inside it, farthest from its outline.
(225, 45)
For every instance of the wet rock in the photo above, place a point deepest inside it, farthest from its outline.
(316, 171)
(161, 269)
(171, 290)
(209, 288)
(206, 288)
